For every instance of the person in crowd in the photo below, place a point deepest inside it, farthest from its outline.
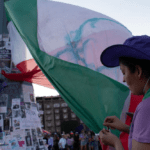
(99, 144)
(83, 141)
(70, 141)
(96, 142)
(62, 143)
(76, 141)
(56, 140)
(58, 133)
(133, 57)
(50, 142)
(89, 139)
(86, 139)
(92, 140)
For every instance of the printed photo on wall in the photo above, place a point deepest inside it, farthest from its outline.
(16, 107)
(16, 113)
(27, 105)
(7, 133)
(3, 103)
(14, 143)
(5, 60)
(34, 106)
(22, 111)
(5, 65)
(11, 129)
(39, 132)
(9, 112)
(31, 98)
(28, 141)
(16, 123)
(28, 137)
(41, 142)
(34, 138)
(6, 124)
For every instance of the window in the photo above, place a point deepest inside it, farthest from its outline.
(49, 124)
(64, 105)
(57, 117)
(48, 112)
(57, 123)
(56, 110)
(49, 118)
(47, 106)
(73, 115)
(64, 110)
(56, 105)
(40, 106)
(65, 116)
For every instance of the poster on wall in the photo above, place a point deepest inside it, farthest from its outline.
(22, 110)
(3, 103)
(14, 143)
(34, 137)
(28, 137)
(20, 136)
(16, 123)
(27, 92)
(6, 124)
(5, 61)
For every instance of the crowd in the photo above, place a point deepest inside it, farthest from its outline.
(74, 141)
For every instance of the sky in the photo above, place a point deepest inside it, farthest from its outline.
(134, 14)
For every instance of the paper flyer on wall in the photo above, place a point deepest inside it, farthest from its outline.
(6, 123)
(27, 93)
(5, 61)
(16, 123)
(20, 136)
(28, 138)
(16, 108)
(34, 106)
(22, 110)
(31, 120)
(8, 137)
(14, 143)
(3, 103)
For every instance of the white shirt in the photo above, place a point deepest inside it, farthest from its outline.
(62, 142)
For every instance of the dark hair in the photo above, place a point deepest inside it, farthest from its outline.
(131, 63)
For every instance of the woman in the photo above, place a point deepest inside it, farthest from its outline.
(92, 140)
(82, 139)
(134, 59)
(70, 141)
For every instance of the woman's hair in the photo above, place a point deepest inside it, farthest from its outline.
(131, 63)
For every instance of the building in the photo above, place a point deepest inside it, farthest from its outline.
(56, 115)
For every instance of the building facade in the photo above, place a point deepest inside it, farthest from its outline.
(56, 115)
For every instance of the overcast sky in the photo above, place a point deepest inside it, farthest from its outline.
(134, 14)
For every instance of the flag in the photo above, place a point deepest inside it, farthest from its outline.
(59, 47)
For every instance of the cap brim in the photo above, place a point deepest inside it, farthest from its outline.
(110, 56)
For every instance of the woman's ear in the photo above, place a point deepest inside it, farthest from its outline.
(139, 71)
